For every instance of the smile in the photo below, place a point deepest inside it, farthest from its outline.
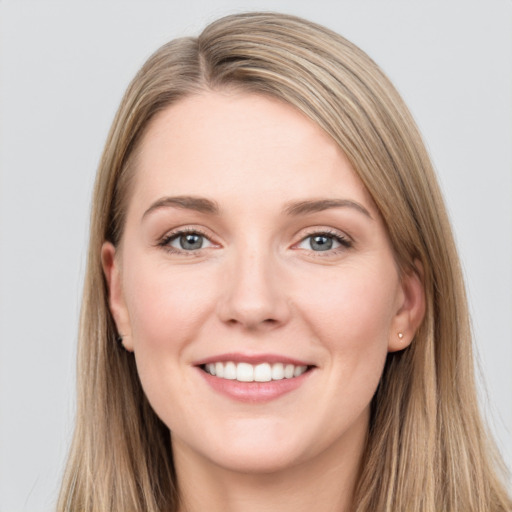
(246, 372)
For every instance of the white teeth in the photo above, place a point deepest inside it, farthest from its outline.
(230, 371)
(299, 370)
(245, 372)
(277, 371)
(288, 371)
(262, 373)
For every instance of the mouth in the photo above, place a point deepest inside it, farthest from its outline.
(261, 372)
(254, 378)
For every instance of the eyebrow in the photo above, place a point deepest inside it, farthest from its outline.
(198, 204)
(314, 206)
(203, 205)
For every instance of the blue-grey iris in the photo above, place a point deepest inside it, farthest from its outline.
(191, 241)
(321, 243)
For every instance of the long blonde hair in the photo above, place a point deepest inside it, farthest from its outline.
(427, 449)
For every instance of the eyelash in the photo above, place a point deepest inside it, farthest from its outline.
(343, 240)
(169, 237)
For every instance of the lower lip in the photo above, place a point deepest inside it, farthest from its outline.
(254, 392)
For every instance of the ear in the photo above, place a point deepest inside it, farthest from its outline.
(112, 271)
(411, 309)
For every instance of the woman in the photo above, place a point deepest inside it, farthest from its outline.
(274, 314)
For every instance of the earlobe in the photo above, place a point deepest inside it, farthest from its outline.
(117, 305)
(411, 310)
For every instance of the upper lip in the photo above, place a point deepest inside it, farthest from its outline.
(252, 359)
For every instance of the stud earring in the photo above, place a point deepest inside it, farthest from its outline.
(401, 335)
(119, 339)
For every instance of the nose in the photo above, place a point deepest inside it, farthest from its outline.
(253, 292)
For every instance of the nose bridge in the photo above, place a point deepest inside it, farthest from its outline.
(254, 295)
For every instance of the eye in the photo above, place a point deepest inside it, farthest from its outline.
(321, 242)
(187, 241)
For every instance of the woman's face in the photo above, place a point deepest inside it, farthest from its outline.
(255, 284)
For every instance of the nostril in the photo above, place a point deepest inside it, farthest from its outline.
(270, 322)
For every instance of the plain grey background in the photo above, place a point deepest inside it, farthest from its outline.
(64, 66)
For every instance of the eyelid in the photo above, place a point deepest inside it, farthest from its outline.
(323, 230)
(336, 241)
(345, 241)
(174, 233)
(183, 230)
(178, 236)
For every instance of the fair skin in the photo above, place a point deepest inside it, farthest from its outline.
(250, 239)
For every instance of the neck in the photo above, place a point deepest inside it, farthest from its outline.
(325, 482)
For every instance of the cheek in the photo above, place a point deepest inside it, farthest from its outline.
(167, 310)
(350, 314)
(353, 301)
(166, 306)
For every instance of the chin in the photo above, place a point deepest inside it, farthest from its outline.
(257, 462)
(246, 448)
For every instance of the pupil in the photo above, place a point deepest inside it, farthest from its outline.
(191, 241)
(321, 243)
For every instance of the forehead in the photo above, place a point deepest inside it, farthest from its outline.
(231, 144)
